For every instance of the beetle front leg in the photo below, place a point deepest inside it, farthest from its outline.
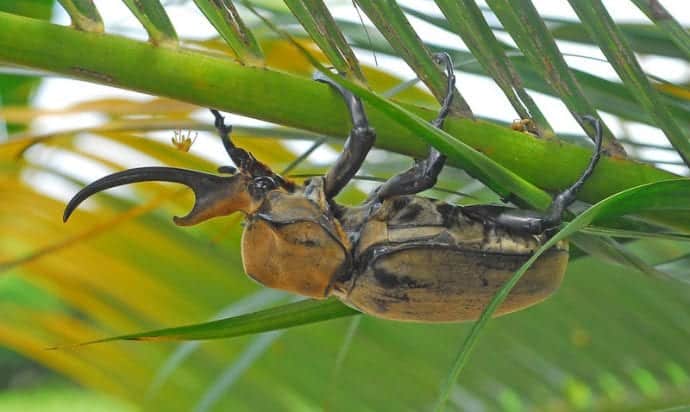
(357, 145)
(536, 223)
(424, 173)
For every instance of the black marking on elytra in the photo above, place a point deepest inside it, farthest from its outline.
(504, 262)
(380, 305)
(448, 213)
(410, 213)
(400, 203)
(389, 280)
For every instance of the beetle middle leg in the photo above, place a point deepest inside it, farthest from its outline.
(357, 145)
(424, 173)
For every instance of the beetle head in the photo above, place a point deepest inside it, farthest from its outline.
(214, 195)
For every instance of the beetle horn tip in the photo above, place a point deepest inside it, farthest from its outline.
(180, 221)
(71, 206)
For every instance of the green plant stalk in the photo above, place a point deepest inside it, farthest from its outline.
(281, 98)
(152, 16)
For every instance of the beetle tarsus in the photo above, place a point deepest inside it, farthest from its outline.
(444, 58)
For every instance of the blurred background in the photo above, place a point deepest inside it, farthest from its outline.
(612, 338)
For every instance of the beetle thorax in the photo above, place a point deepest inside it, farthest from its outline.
(293, 242)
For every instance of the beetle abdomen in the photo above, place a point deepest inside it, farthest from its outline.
(423, 260)
(437, 283)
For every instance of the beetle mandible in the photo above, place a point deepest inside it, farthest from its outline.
(397, 256)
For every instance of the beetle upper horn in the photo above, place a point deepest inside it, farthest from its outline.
(208, 189)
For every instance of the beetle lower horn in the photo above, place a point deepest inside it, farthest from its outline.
(214, 195)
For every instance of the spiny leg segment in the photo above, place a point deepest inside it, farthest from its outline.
(357, 145)
(244, 160)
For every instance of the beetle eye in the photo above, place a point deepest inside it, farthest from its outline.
(261, 185)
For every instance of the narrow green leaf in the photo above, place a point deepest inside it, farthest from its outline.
(281, 317)
(466, 19)
(664, 195)
(319, 23)
(634, 234)
(644, 38)
(601, 27)
(607, 248)
(84, 15)
(224, 17)
(666, 23)
(152, 16)
(392, 23)
(529, 31)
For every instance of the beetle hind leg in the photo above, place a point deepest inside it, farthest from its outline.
(424, 173)
(536, 223)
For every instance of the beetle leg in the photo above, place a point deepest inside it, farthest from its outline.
(244, 160)
(424, 173)
(357, 145)
(536, 223)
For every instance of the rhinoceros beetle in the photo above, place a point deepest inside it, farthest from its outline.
(397, 256)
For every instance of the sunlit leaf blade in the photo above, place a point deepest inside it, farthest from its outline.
(225, 18)
(155, 20)
(281, 317)
(320, 25)
(84, 15)
(392, 23)
(665, 195)
(644, 38)
(665, 21)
